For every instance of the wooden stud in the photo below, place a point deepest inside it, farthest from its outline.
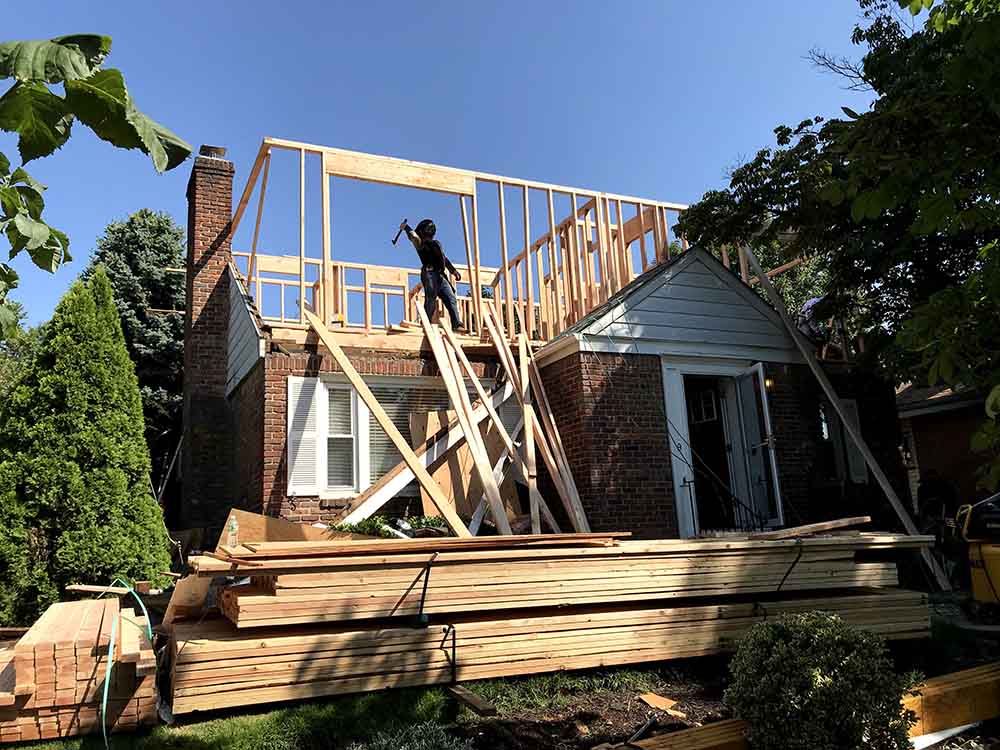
(262, 153)
(529, 440)
(251, 265)
(529, 323)
(326, 307)
(508, 289)
(476, 324)
(642, 237)
(477, 296)
(302, 235)
(390, 429)
(626, 260)
(555, 267)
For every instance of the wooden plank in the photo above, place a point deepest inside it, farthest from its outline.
(390, 429)
(477, 291)
(251, 264)
(241, 205)
(325, 304)
(188, 597)
(529, 323)
(508, 289)
(468, 256)
(809, 355)
(812, 528)
(391, 171)
(455, 384)
(86, 588)
(475, 703)
(530, 472)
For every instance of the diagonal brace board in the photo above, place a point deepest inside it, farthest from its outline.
(391, 431)
(432, 452)
(460, 400)
(852, 430)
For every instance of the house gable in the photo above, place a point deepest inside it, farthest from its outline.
(692, 307)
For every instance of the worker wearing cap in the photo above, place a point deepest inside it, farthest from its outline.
(433, 264)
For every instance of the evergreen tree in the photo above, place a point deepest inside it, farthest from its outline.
(136, 254)
(75, 503)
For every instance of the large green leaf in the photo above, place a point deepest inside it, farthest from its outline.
(102, 103)
(38, 116)
(64, 58)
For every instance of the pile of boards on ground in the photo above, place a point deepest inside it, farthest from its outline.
(328, 617)
(52, 680)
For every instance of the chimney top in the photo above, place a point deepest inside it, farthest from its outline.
(216, 152)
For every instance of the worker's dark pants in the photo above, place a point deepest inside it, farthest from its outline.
(435, 286)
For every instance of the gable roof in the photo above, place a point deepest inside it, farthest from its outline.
(691, 306)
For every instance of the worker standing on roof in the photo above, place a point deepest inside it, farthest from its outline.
(433, 263)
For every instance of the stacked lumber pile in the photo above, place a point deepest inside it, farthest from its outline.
(324, 618)
(52, 681)
(295, 583)
(216, 666)
(945, 702)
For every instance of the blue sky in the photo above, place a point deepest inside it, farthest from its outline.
(655, 99)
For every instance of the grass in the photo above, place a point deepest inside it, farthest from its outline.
(512, 695)
(409, 719)
(402, 717)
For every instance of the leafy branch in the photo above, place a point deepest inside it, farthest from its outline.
(43, 121)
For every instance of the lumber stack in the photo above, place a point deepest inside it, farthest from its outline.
(216, 665)
(52, 681)
(310, 583)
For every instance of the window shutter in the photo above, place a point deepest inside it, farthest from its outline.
(303, 421)
(398, 402)
(340, 458)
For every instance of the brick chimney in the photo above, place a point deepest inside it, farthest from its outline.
(207, 452)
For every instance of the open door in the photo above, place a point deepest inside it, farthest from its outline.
(764, 494)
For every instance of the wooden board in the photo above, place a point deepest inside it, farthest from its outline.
(456, 473)
(216, 666)
(254, 527)
(812, 528)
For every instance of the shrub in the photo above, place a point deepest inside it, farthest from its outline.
(75, 502)
(809, 681)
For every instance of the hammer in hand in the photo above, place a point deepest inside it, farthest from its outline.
(396, 238)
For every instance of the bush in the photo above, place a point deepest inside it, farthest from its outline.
(810, 681)
(75, 502)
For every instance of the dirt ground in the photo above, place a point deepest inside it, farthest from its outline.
(591, 719)
(588, 720)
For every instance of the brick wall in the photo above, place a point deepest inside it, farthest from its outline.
(207, 445)
(610, 413)
(248, 404)
(276, 370)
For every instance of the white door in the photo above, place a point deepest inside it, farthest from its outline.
(763, 504)
(681, 459)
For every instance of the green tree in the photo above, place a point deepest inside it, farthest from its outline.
(901, 203)
(43, 121)
(75, 500)
(16, 349)
(136, 254)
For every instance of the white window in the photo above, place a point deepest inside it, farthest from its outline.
(336, 448)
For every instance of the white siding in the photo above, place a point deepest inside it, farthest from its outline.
(245, 344)
(696, 308)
